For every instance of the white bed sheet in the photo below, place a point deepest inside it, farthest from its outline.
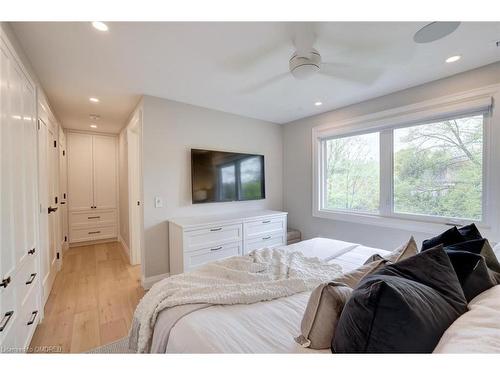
(264, 327)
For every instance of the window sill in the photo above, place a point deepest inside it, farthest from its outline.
(409, 224)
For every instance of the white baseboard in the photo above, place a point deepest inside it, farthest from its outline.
(148, 282)
(125, 247)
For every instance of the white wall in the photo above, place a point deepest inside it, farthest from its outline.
(298, 163)
(170, 130)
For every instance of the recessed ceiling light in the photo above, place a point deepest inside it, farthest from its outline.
(453, 58)
(94, 100)
(317, 104)
(93, 126)
(101, 26)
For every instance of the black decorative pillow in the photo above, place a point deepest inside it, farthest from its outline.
(403, 307)
(470, 232)
(449, 237)
(472, 272)
(480, 247)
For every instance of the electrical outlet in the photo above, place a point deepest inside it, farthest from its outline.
(158, 202)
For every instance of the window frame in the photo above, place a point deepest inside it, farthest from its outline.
(385, 123)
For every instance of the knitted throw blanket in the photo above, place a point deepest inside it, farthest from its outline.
(263, 275)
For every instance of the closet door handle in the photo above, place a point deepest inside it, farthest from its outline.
(52, 209)
(216, 248)
(215, 229)
(5, 320)
(63, 202)
(31, 279)
(5, 282)
(96, 232)
(32, 251)
(93, 217)
(33, 317)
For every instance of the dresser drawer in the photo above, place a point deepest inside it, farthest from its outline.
(92, 218)
(199, 257)
(259, 228)
(26, 278)
(267, 240)
(8, 318)
(92, 233)
(212, 237)
(28, 319)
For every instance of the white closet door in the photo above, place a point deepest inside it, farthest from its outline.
(7, 258)
(19, 162)
(30, 142)
(104, 172)
(80, 178)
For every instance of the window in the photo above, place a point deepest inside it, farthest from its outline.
(353, 173)
(438, 168)
(427, 171)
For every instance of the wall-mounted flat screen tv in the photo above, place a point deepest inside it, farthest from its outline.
(218, 176)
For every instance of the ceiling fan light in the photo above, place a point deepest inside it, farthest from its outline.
(305, 67)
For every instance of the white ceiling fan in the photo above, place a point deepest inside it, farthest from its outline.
(306, 62)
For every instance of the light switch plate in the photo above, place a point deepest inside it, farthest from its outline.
(158, 202)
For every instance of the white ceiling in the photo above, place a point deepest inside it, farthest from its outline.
(221, 65)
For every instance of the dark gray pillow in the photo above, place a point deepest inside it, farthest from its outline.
(448, 237)
(403, 307)
(470, 232)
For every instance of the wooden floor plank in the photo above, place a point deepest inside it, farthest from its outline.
(92, 300)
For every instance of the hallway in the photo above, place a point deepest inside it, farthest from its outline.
(92, 301)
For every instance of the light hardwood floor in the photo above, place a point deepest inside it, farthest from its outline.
(92, 301)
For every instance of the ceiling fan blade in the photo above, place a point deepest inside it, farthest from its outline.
(270, 81)
(247, 61)
(361, 74)
(304, 37)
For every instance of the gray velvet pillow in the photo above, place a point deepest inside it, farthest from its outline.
(326, 304)
(406, 250)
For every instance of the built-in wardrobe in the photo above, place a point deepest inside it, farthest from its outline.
(20, 288)
(92, 187)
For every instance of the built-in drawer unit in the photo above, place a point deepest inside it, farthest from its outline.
(91, 225)
(9, 313)
(26, 278)
(93, 233)
(92, 218)
(27, 320)
(214, 235)
(198, 240)
(199, 257)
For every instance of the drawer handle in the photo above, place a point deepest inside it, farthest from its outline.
(216, 248)
(32, 251)
(266, 238)
(5, 282)
(93, 217)
(32, 277)
(5, 320)
(96, 232)
(33, 317)
(215, 229)
(266, 221)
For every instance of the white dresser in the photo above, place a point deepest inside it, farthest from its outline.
(194, 241)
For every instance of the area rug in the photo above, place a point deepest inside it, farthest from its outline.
(116, 347)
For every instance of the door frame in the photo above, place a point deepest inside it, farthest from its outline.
(135, 190)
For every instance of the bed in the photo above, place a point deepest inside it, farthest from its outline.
(213, 329)
(270, 327)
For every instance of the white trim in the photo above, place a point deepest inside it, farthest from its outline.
(125, 247)
(477, 100)
(148, 282)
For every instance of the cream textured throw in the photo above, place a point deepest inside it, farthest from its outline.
(263, 275)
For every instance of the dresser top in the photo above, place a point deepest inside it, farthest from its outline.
(223, 218)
